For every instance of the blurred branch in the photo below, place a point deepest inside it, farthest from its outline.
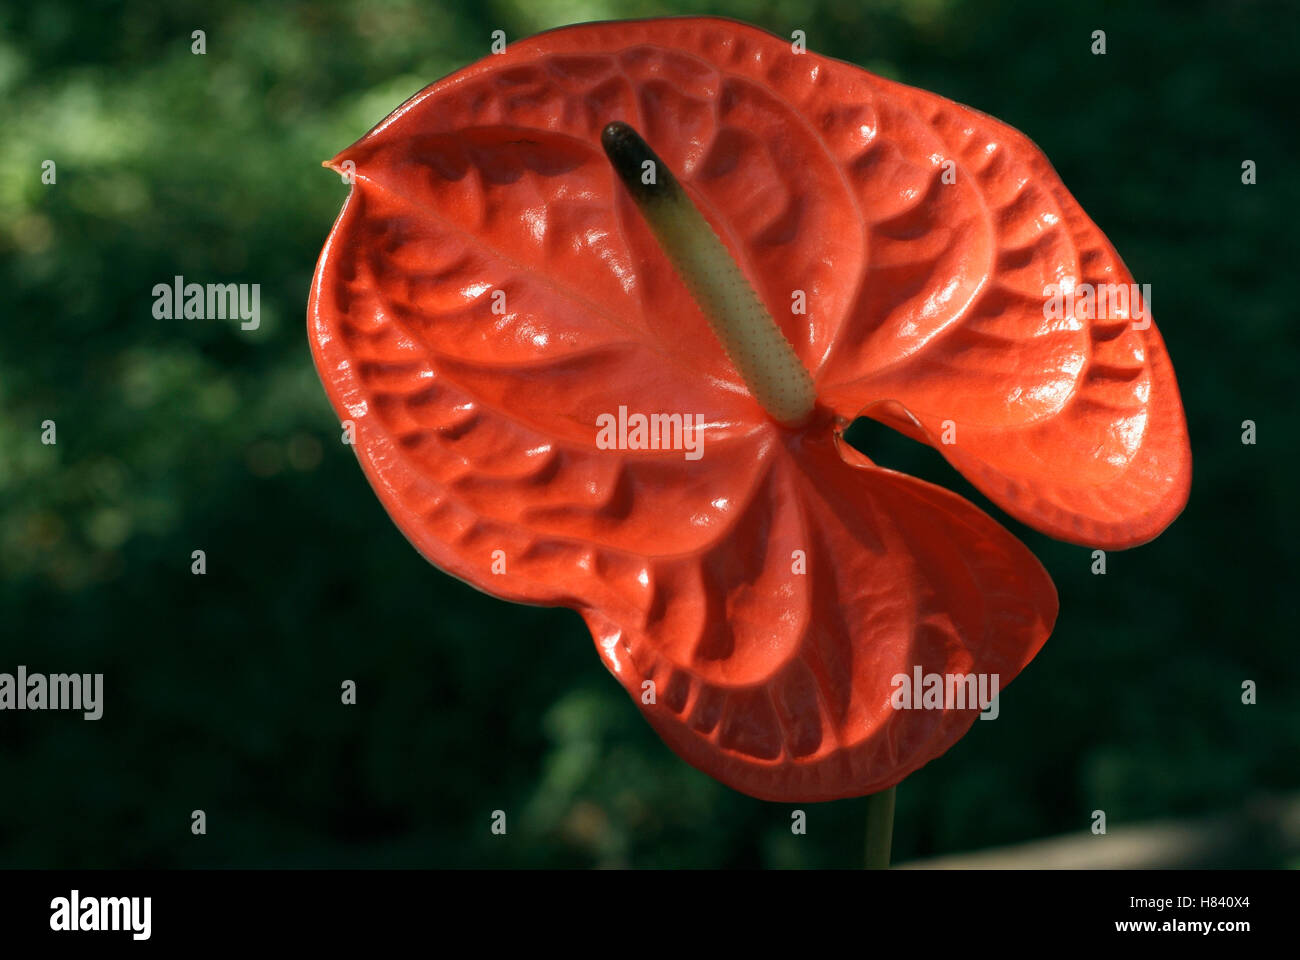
(1266, 827)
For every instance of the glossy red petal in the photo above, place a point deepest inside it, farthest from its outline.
(489, 292)
(776, 678)
(924, 299)
(1073, 425)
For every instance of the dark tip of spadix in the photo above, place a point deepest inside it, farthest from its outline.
(628, 154)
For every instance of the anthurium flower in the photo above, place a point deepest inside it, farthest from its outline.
(599, 309)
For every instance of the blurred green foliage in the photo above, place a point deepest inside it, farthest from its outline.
(222, 692)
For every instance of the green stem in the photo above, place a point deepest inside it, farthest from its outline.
(880, 828)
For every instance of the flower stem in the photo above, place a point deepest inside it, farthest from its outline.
(880, 828)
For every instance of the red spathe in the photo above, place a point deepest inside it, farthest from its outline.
(490, 291)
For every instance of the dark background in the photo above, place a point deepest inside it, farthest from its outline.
(222, 691)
